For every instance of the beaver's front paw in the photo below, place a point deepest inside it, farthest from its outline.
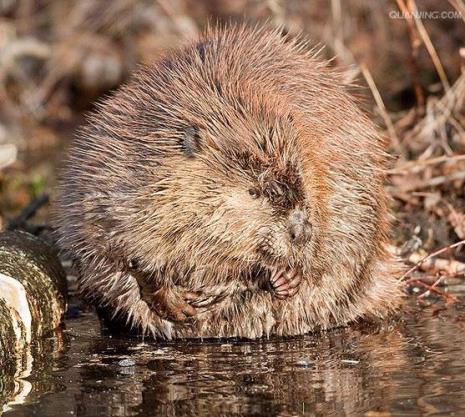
(173, 303)
(285, 282)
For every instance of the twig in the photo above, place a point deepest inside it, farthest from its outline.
(429, 46)
(433, 285)
(431, 182)
(415, 42)
(167, 9)
(438, 264)
(277, 11)
(440, 111)
(459, 6)
(382, 108)
(431, 255)
(424, 163)
(336, 11)
(28, 211)
(432, 288)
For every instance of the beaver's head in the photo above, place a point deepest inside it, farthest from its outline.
(243, 186)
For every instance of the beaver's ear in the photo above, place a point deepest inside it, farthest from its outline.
(190, 141)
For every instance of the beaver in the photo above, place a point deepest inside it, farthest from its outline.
(232, 189)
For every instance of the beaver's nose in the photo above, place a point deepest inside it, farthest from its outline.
(300, 230)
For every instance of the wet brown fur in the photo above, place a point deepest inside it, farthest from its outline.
(159, 184)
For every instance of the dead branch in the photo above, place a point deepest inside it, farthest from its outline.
(29, 211)
(428, 262)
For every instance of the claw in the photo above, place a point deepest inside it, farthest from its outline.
(285, 283)
(174, 304)
(281, 281)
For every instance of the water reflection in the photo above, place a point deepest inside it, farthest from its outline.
(31, 374)
(414, 367)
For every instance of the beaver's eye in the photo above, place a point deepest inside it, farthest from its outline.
(133, 264)
(254, 193)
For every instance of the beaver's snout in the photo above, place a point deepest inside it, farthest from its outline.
(299, 228)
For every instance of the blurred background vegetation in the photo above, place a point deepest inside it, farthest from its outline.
(57, 57)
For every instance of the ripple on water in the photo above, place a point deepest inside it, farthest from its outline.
(414, 367)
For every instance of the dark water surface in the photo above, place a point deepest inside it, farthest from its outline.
(414, 367)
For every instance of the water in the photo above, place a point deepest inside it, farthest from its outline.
(412, 367)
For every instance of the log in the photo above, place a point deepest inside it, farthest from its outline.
(32, 304)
